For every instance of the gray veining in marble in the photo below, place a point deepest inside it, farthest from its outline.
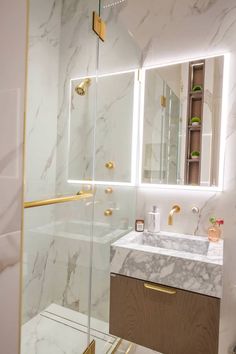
(182, 261)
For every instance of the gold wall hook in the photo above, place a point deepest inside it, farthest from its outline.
(108, 212)
(110, 165)
(108, 190)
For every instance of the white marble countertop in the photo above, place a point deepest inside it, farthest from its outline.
(182, 261)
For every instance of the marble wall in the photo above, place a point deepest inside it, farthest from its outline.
(114, 118)
(162, 32)
(42, 98)
(12, 73)
(41, 137)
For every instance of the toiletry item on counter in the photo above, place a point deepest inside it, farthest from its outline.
(153, 222)
(215, 231)
(139, 225)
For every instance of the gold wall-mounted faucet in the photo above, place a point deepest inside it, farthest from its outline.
(174, 209)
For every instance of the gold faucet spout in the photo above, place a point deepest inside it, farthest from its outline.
(174, 209)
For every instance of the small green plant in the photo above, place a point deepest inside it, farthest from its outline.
(196, 120)
(197, 88)
(195, 154)
(214, 221)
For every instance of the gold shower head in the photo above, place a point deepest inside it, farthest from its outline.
(81, 89)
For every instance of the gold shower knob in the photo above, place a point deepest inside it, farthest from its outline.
(108, 190)
(108, 212)
(110, 165)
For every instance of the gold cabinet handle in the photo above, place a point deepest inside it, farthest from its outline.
(161, 289)
(110, 165)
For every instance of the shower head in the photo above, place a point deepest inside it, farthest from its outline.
(81, 89)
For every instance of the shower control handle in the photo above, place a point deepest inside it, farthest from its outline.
(108, 212)
(110, 165)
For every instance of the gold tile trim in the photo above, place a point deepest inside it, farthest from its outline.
(114, 351)
(27, 4)
(91, 348)
(116, 347)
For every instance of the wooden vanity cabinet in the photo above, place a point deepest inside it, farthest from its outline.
(179, 322)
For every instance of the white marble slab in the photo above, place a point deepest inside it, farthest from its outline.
(57, 266)
(59, 330)
(201, 273)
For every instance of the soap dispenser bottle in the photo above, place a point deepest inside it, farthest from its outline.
(153, 222)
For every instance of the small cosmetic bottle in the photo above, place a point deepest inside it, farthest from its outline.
(139, 225)
(154, 220)
(214, 231)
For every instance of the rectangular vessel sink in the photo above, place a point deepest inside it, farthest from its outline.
(177, 243)
(182, 261)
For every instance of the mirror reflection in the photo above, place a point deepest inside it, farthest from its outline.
(181, 125)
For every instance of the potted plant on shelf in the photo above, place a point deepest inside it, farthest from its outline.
(195, 154)
(197, 88)
(195, 121)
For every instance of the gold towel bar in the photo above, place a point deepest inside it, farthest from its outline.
(71, 198)
(161, 289)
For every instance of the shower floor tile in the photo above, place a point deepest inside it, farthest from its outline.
(58, 330)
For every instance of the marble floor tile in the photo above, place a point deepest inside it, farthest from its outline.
(58, 330)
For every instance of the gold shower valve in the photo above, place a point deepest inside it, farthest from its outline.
(110, 165)
(108, 190)
(108, 212)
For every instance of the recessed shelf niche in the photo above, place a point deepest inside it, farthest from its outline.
(194, 132)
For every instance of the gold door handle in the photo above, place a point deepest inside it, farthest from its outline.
(161, 289)
(110, 165)
(71, 198)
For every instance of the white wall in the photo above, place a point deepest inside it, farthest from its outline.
(12, 74)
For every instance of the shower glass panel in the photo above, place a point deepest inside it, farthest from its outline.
(81, 131)
(115, 139)
(57, 247)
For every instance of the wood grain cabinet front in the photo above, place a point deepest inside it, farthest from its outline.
(168, 320)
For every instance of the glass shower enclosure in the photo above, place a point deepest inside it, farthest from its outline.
(79, 178)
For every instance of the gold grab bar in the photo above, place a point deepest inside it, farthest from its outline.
(161, 289)
(71, 198)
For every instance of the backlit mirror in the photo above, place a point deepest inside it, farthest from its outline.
(182, 123)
